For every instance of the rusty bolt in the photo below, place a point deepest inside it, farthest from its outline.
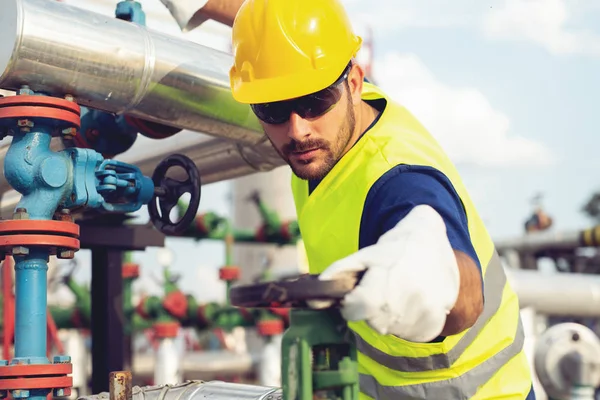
(61, 359)
(25, 122)
(20, 251)
(120, 385)
(65, 254)
(20, 394)
(20, 213)
(62, 392)
(69, 132)
(65, 215)
(25, 90)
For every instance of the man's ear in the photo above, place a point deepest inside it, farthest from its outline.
(355, 82)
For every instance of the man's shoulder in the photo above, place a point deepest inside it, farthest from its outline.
(408, 181)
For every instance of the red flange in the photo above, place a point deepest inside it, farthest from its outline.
(165, 330)
(62, 235)
(176, 304)
(36, 376)
(59, 113)
(229, 273)
(200, 225)
(130, 270)
(270, 327)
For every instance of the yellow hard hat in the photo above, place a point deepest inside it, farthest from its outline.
(289, 48)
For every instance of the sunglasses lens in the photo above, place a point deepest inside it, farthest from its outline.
(309, 106)
(273, 113)
(319, 103)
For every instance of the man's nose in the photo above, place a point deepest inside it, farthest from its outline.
(299, 128)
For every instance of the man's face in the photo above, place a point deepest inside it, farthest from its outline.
(312, 146)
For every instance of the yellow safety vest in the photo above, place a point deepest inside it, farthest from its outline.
(484, 362)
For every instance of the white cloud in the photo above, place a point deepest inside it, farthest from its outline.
(557, 25)
(388, 15)
(544, 22)
(461, 119)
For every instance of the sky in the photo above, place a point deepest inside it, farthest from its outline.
(508, 87)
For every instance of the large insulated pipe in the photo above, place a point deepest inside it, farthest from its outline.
(120, 67)
(540, 241)
(558, 294)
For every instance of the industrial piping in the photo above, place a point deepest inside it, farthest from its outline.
(120, 67)
(55, 48)
(555, 241)
(558, 294)
(216, 159)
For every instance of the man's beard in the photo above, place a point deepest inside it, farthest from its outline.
(332, 151)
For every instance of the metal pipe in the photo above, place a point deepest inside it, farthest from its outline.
(215, 390)
(167, 369)
(217, 160)
(559, 294)
(120, 67)
(204, 365)
(535, 242)
(30, 306)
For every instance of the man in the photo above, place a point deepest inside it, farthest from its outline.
(433, 315)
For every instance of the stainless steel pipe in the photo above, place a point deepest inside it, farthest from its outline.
(120, 67)
(567, 240)
(198, 390)
(559, 294)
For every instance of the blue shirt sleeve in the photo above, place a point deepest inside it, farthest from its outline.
(395, 194)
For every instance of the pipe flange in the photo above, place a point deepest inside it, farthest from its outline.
(230, 273)
(22, 376)
(567, 355)
(25, 110)
(130, 271)
(270, 327)
(164, 330)
(60, 237)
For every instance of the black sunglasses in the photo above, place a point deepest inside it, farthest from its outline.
(309, 106)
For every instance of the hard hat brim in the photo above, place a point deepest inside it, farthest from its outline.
(286, 87)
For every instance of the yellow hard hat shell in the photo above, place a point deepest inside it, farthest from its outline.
(289, 48)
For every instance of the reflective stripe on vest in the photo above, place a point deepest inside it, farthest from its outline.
(462, 387)
(494, 283)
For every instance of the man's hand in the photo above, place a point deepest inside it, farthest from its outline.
(190, 14)
(412, 279)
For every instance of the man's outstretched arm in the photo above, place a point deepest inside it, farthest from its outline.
(222, 11)
(190, 14)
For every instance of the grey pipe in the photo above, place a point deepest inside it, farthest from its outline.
(539, 241)
(198, 390)
(558, 294)
(120, 67)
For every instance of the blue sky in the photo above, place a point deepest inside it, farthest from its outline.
(508, 87)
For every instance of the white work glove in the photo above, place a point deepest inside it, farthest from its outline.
(185, 12)
(411, 281)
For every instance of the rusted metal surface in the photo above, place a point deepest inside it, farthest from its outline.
(120, 385)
